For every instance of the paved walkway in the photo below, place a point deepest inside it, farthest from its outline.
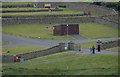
(78, 37)
(12, 40)
(84, 50)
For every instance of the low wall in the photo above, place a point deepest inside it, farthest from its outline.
(8, 58)
(35, 54)
(40, 16)
(110, 44)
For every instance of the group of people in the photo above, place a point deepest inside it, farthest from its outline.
(92, 49)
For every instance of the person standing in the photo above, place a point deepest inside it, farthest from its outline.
(93, 49)
(99, 45)
(90, 50)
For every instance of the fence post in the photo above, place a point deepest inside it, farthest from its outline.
(70, 45)
(62, 46)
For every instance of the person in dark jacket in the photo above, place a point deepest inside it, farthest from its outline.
(99, 45)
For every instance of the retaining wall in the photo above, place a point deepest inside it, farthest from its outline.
(56, 20)
(40, 16)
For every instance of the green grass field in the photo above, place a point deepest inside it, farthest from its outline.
(99, 64)
(65, 11)
(89, 44)
(89, 30)
(26, 8)
(14, 50)
(95, 30)
(33, 30)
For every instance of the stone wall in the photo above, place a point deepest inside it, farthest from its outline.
(8, 58)
(40, 16)
(80, 6)
(55, 20)
(104, 20)
(35, 54)
(110, 44)
(48, 20)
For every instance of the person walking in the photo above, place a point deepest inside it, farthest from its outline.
(93, 49)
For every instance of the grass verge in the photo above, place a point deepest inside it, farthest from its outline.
(14, 50)
(99, 64)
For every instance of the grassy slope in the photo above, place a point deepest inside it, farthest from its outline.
(89, 30)
(33, 30)
(100, 64)
(20, 49)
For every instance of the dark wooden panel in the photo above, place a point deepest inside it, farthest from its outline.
(62, 29)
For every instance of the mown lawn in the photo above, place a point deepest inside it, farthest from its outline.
(26, 8)
(14, 50)
(99, 64)
(89, 30)
(33, 30)
(65, 11)
(95, 30)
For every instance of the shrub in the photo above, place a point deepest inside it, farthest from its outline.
(63, 6)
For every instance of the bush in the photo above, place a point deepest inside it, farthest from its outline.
(63, 6)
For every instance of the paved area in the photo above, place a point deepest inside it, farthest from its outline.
(84, 50)
(78, 37)
(12, 40)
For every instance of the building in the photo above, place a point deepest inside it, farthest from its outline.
(63, 29)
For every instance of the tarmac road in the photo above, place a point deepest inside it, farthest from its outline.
(12, 40)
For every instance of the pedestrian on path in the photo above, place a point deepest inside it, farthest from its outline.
(90, 50)
(93, 49)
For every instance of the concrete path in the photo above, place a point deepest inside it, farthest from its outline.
(12, 40)
(84, 50)
(78, 37)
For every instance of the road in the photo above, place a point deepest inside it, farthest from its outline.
(12, 40)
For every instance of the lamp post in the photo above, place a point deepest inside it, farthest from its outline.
(67, 36)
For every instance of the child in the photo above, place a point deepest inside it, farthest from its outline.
(90, 50)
